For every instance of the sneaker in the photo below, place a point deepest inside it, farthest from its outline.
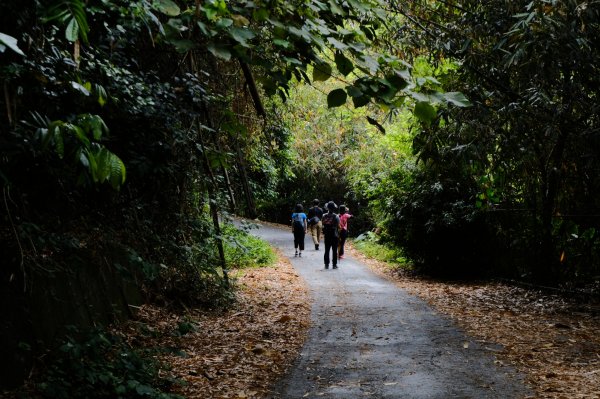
(296, 254)
(300, 254)
(335, 266)
(326, 266)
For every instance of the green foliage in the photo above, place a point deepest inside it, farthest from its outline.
(336, 98)
(322, 141)
(192, 275)
(79, 142)
(437, 225)
(103, 365)
(574, 244)
(10, 42)
(369, 244)
(511, 167)
(244, 250)
(71, 13)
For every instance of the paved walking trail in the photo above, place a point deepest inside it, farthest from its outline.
(370, 339)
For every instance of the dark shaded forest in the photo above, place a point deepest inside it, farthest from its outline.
(129, 130)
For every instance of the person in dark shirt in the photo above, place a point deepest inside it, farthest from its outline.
(315, 214)
(331, 224)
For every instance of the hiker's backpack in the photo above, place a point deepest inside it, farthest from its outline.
(330, 224)
(298, 222)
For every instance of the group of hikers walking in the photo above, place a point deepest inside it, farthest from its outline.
(327, 223)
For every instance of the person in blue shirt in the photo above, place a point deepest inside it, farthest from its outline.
(299, 227)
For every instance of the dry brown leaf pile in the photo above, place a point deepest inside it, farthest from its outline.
(241, 352)
(555, 342)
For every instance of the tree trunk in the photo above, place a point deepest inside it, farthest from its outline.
(552, 180)
(232, 204)
(214, 211)
(250, 206)
(258, 106)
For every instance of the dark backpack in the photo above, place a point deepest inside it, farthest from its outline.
(298, 223)
(330, 225)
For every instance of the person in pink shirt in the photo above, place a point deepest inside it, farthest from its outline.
(344, 216)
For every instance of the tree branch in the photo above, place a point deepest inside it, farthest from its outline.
(260, 110)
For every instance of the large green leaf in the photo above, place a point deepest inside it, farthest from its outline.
(182, 45)
(457, 98)
(336, 8)
(224, 23)
(425, 112)
(336, 98)
(167, 7)
(282, 43)
(10, 42)
(80, 134)
(368, 64)
(321, 72)
(71, 13)
(303, 33)
(92, 165)
(397, 81)
(344, 65)
(103, 165)
(421, 97)
(354, 91)
(58, 141)
(82, 89)
(360, 101)
(78, 10)
(241, 35)
(220, 51)
(93, 125)
(337, 44)
(72, 30)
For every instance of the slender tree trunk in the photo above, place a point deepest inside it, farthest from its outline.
(214, 211)
(554, 165)
(232, 204)
(549, 203)
(250, 205)
(229, 186)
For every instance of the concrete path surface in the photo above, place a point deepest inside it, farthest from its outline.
(370, 339)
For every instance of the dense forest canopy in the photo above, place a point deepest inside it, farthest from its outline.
(463, 132)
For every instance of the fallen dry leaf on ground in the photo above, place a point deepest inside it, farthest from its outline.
(241, 352)
(553, 341)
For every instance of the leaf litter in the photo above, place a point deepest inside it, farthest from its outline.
(241, 352)
(238, 353)
(554, 341)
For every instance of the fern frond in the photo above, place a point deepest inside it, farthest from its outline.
(117, 171)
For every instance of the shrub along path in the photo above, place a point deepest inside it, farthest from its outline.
(371, 339)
